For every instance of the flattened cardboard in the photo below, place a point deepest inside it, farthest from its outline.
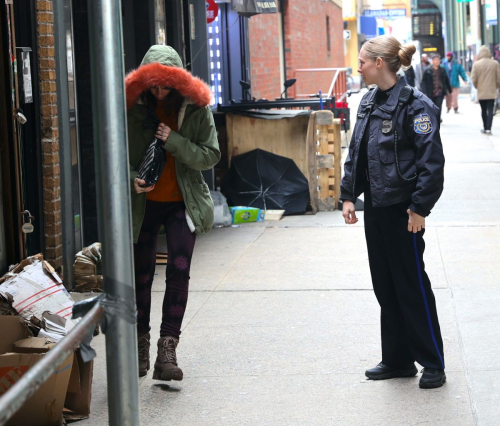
(33, 345)
(78, 403)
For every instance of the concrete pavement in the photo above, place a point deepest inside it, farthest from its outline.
(282, 320)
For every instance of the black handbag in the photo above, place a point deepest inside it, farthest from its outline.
(153, 163)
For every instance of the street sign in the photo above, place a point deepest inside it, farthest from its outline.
(347, 34)
(464, 1)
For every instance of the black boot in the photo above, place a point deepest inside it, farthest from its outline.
(143, 349)
(432, 378)
(383, 372)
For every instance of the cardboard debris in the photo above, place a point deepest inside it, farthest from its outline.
(45, 407)
(87, 269)
(70, 386)
(36, 293)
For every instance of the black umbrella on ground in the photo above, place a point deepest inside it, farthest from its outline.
(268, 181)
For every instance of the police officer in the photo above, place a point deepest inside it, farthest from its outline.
(396, 159)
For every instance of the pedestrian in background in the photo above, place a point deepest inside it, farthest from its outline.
(435, 83)
(486, 79)
(168, 103)
(410, 76)
(396, 159)
(454, 71)
(420, 69)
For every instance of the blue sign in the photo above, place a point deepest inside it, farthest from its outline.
(386, 13)
(368, 26)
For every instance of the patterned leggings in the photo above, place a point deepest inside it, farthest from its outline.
(180, 243)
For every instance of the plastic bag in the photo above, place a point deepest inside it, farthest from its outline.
(153, 163)
(222, 215)
(473, 94)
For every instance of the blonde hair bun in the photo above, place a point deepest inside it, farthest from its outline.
(391, 51)
(405, 54)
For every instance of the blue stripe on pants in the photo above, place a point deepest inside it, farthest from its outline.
(425, 299)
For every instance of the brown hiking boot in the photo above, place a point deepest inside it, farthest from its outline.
(143, 346)
(166, 362)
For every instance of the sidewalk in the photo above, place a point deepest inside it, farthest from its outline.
(282, 320)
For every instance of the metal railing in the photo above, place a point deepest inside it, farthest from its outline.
(117, 306)
(338, 85)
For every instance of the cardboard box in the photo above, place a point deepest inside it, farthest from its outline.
(70, 386)
(45, 407)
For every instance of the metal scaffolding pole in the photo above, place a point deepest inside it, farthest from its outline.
(67, 213)
(115, 222)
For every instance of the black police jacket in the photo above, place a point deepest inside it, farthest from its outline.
(405, 155)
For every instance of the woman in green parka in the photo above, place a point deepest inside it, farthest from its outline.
(161, 91)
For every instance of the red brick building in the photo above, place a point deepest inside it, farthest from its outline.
(305, 34)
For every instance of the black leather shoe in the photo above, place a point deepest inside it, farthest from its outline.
(432, 378)
(383, 372)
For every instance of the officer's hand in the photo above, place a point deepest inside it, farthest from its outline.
(140, 189)
(349, 212)
(415, 222)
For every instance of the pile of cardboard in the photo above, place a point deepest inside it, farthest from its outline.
(87, 267)
(34, 291)
(64, 396)
(34, 302)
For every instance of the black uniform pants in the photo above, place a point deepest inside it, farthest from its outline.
(409, 322)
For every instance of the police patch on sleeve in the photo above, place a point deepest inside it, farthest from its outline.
(422, 124)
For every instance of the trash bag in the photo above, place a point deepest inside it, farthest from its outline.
(222, 214)
(153, 163)
(267, 181)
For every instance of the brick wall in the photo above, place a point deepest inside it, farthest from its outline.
(50, 133)
(305, 46)
(266, 69)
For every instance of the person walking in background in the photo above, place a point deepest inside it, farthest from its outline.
(420, 69)
(396, 159)
(168, 103)
(486, 79)
(410, 76)
(454, 70)
(435, 83)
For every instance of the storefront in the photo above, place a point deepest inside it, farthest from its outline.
(21, 181)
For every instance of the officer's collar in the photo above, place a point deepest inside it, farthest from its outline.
(392, 102)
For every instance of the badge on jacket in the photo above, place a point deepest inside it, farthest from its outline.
(386, 126)
(422, 124)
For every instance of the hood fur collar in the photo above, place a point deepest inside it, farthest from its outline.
(156, 74)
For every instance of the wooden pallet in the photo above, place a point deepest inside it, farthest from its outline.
(161, 258)
(324, 156)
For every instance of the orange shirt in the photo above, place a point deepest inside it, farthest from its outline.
(167, 188)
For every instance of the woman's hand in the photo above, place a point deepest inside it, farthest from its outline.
(415, 222)
(140, 189)
(349, 212)
(162, 132)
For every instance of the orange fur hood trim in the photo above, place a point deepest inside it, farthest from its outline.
(156, 74)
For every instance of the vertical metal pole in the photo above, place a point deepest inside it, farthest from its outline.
(115, 222)
(67, 214)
